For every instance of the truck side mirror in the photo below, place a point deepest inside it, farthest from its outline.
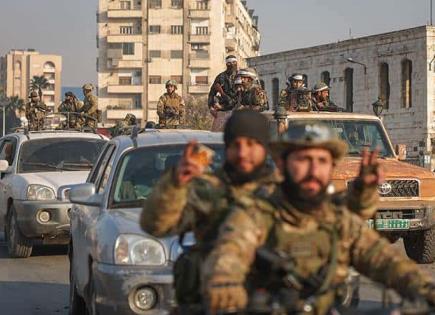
(401, 152)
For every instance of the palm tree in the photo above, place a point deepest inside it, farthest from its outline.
(38, 83)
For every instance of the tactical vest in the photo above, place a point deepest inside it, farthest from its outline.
(171, 110)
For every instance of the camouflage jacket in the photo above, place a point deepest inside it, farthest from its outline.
(73, 107)
(36, 111)
(121, 128)
(295, 100)
(171, 110)
(254, 98)
(90, 105)
(227, 101)
(323, 242)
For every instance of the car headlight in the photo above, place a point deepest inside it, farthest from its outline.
(133, 249)
(40, 192)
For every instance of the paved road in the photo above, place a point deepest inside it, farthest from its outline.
(39, 285)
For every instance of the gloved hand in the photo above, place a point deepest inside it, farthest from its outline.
(223, 294)
(371, 174)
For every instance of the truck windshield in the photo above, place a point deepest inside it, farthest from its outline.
(361, 134)
(140, 169)
(59, 154)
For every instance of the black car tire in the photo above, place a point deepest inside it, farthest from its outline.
(420, 246)
(18, 245)
(77, 305)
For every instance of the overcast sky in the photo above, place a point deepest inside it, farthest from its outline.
(68, 27)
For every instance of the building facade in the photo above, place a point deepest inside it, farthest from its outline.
(398, 66)
(18, 67)
(142, 44)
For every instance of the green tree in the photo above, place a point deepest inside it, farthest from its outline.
(11, 106)
(197, 113)
(38, 83)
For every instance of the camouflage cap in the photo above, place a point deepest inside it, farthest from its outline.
(88, 87)
(171, 82)
(321, 86)
(304, 135)
(33, 94)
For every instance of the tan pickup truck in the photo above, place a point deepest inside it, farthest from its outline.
(407, 196)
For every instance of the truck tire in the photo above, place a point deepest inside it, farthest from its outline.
(18, 245)
(420, 246)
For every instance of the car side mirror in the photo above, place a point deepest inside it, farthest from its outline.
(401, 152)
(85, 194)
(4, 166)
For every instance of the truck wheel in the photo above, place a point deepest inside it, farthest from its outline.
(420, 246)
(18, 245)
(77, 305)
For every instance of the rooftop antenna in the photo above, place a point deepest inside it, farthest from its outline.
(350, 32)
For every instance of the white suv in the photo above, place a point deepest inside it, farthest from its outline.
(36, 170)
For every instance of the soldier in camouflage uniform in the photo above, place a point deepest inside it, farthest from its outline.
(36, 112)
(70, 107)
(320, 99)
(308, 240)
(170, 107)
(186, 198)
(124, 126)
(90, 106)
(296, 97)
(252, 95)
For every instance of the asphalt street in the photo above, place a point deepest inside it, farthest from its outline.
(39, 285)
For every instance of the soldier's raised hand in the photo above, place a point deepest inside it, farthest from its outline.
(188, 167)
(370, 174)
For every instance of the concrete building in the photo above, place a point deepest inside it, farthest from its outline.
(18, 68)
(397, 66)
(142, 44)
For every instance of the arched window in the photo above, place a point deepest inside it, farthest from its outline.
(275, 92)
(406, 83)
(262, 84)
(384, 83)
(325, 77)
(305, 80)
(348, 91)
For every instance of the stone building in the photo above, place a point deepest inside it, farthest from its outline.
(397, 66)
(18, 67)
(142, 44)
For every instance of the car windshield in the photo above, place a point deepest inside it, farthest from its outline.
(361, 134)
(59, 154)
(140, 169)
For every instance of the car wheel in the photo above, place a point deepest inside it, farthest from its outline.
(420, 246)
(18, 245)
(77, 305)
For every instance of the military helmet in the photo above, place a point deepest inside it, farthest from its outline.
(295, 77)
(171, 82)
(88, 87)
(320, 87)
(33, 94)
(130, 118)
(304, 135)
(247, 73)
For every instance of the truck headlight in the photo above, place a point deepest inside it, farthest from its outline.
(40, 192)
(133, 249)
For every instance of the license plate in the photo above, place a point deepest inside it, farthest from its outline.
(389, 224)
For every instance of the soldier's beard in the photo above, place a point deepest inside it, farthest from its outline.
(296, 196)
(239, 178)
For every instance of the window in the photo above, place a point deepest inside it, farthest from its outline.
(128, 48)
(155, 53)
(305, 80)
(202, 5)
(8, 150)
(176, 4)
(115, 45)
(384, 84)
(155, 29)
(203, 80)
(125, 5)
(176, 29)
(177, 78)
(155, 4)
(275, 91)
(176, 54)
(104, 170)
(199, 47)
(406, 83)
(348, 91)
(155, 79)
(262, 84)
(124, 80)
(126, 29)
(325, 77)
(201, 30)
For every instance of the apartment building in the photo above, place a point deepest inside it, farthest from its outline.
(18, 67)
(142, 44)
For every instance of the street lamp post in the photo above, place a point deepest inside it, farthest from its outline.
(4, 120)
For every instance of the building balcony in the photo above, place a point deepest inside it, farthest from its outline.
(124, 38)
(120, 113)
(231, 44)
(230, 20)
(199, 61)
(124, 14)
(124, 89)
(127, 64)
(199, 14)
(199, 89)
(114, 53)
(194, 38)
